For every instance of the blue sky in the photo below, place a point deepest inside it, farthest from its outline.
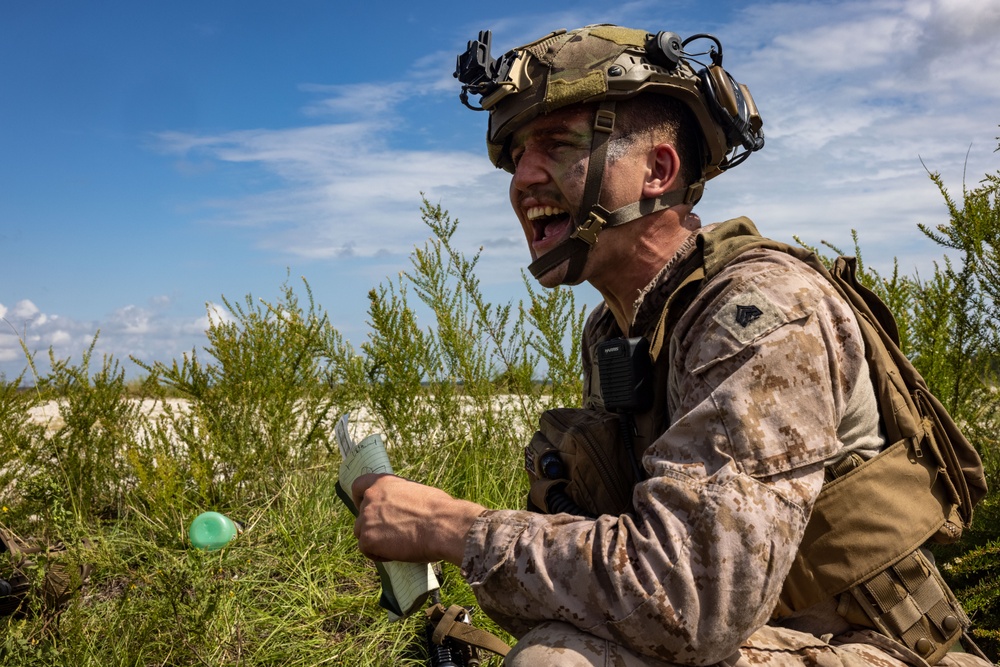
(155, 157)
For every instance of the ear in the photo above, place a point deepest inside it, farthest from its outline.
(663, 167)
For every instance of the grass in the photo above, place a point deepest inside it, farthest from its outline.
(292, 589)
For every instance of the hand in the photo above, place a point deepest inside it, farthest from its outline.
(405, 521)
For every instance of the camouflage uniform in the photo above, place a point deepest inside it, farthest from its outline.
(758, 406)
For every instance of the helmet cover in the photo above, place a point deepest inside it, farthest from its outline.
(598, 63)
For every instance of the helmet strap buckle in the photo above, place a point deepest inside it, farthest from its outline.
(604, 121)
(694, 192)
(596, 220)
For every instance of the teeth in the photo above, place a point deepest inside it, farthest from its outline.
(536, 212)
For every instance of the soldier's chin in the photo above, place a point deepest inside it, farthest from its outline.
(554, 277)
(557, 275)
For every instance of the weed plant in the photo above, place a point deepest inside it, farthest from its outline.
(950, 329)
(455, 398)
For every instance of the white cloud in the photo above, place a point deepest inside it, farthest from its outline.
(361, 100)
(149, 335)
(341, 190)
(853, 95)
(25, 310)
(216, 314)
(59, 337)
(130, 321)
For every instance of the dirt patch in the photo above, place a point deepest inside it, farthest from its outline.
(49, 414)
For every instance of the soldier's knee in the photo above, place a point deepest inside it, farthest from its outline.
(555, 643)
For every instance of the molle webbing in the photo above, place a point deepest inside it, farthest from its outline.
(910, 602)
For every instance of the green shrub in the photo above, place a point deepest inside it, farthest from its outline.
(252, 438)
(957, 347)
(257, 412)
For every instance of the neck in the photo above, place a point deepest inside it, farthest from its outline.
(654, 242)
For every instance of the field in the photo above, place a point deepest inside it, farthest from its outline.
(291, 589)
(116, 470)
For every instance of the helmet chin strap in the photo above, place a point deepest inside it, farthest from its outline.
(577, 246)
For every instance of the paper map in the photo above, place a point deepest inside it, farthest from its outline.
(405, 586)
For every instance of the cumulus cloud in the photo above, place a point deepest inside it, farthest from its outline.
(25, 310)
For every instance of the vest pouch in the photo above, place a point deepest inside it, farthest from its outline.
(910, 603)
(577, 463)
(845, 544)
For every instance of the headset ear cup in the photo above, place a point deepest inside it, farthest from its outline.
(722, 90)
(753, 115)
(734, 110)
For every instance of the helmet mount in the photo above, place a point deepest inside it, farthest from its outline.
(604, 64)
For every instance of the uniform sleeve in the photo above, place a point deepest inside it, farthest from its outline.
(761, 364)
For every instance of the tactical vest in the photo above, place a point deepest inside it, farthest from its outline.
(865, 555)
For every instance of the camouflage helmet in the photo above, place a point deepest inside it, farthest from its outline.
(606, 63)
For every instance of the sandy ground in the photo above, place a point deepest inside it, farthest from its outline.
(48, 413)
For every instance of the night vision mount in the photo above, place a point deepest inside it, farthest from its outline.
(479, 72)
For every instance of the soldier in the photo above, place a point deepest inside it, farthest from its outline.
(678, 542)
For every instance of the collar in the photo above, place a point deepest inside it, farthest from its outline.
(652, 298)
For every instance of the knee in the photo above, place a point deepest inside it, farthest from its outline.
(555, 643)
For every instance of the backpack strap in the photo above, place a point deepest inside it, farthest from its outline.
(959, 458)
(715, 249)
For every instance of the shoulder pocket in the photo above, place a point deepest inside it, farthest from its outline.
(740, 317)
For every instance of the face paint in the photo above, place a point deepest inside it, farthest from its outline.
(551, 156)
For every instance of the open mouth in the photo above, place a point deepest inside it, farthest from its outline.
(551, 225)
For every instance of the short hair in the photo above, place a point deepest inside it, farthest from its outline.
(660, 118)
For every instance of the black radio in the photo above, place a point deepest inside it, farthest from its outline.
(626, 374)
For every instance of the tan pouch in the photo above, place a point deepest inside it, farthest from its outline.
(910, 603)
(577, 463)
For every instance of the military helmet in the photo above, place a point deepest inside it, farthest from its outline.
(606, 62)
